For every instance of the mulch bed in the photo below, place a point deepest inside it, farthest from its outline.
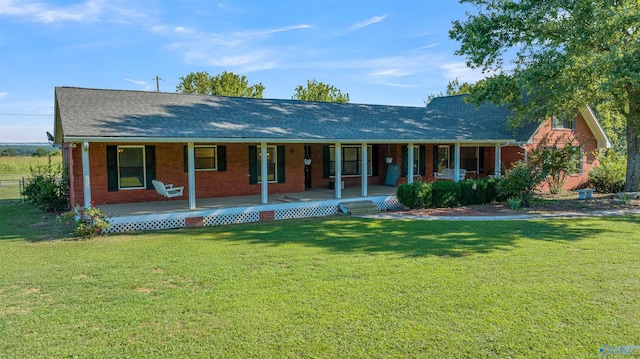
(543, 203)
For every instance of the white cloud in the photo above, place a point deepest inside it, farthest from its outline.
(184, 30)
(428, 46)
(136, 82)
(88, 11)
(242, 51)
(367, 22)
(460, 71)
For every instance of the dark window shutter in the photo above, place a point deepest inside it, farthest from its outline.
(423, 160)
(375, 160)
(186, 158)
(405, 161)
(281, 164)
(150, 161)
(222, 158)
(326, 159)
(435, 158)
(253, 165)
(112, 168)
(452, 155)
(481, 159)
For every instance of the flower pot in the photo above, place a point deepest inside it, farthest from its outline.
(389, 159)
(307, 161)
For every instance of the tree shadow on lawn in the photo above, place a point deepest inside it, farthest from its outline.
(410, 238)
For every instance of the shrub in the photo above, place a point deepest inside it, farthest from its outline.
(610, 175)
(473, 191)
(415, 195)
(445, 194)
(514, 202)
(555, 162)
(88, 221)
(48, 188)
(520, 181)
(491, 193)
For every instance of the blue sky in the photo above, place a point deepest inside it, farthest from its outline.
(379, 52)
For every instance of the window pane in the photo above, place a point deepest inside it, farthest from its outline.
(443, 158)
(350, 153)
(205, 158)
(271, 164)
(131, 167)
(469, 158)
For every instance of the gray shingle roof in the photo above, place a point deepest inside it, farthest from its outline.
(90, 114)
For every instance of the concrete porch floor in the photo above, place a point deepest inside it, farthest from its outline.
(182, 205)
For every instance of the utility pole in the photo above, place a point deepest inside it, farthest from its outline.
(158, 83)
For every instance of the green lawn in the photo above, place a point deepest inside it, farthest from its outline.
(331, 287)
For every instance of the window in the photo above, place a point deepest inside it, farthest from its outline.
(558, 124)
(443, 158)
(351, 160)
(205, 158)
(131, 167)
(469, 158)
(272, 163)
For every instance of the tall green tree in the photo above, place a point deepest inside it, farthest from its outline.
(317, 91)
(560, 55)
(224, 84)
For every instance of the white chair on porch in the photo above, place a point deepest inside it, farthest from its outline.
(167, 190)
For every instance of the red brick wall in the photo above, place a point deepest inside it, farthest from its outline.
(581, 136)
(170, 169)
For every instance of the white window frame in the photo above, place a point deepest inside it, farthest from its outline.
(359, 165)
(144, 168)
(557, 124)
(215, 156)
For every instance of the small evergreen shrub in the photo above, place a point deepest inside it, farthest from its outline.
(446, 194)
(610, 175)
(473, 191)
(415, 195)
(491, 192)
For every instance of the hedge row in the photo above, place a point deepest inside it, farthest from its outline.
(447, 193)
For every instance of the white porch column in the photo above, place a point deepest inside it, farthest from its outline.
(338, 170)
(86, 175)
(410, 163)
(191, 159)
(365, 170)
(498, 160)
(456, 162)
(264, 173)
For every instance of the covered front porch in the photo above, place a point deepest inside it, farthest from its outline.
(241, 209)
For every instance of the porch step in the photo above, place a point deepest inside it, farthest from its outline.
(360, 207)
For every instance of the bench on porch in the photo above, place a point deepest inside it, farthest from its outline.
(447, 174)
(585, 193)
(167, 190)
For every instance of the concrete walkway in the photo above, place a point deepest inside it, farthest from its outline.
(518, 217)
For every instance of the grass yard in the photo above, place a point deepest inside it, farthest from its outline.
(330, 287)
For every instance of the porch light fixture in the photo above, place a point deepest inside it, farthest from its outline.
(389, 159)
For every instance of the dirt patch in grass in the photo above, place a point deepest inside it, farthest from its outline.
(542, 204)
